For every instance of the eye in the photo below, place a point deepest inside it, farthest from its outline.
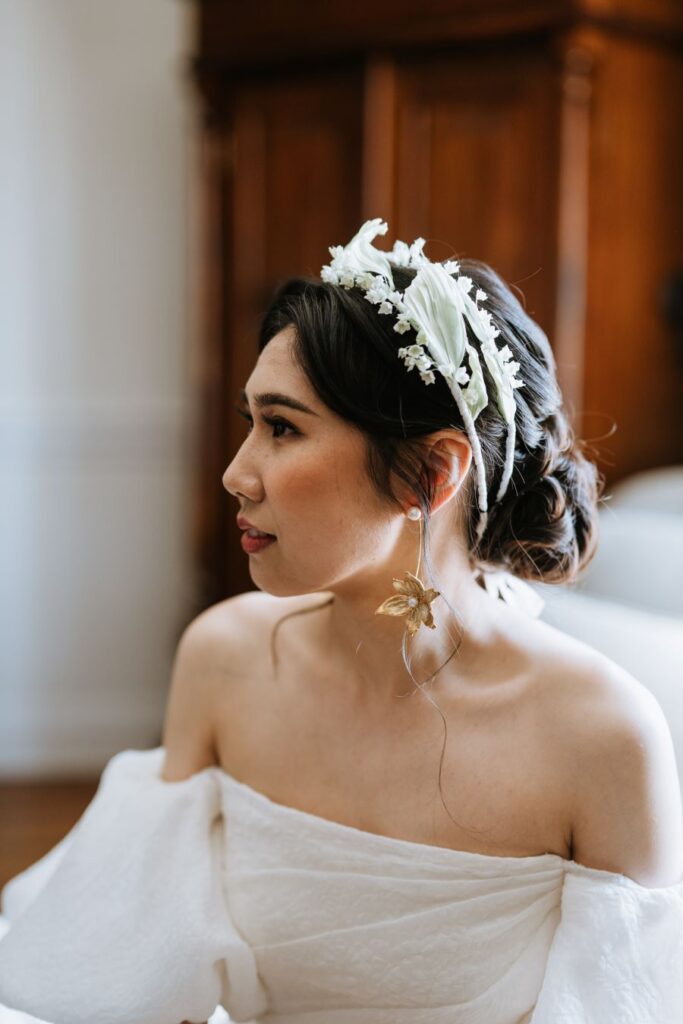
(273, 421)
(279, 424)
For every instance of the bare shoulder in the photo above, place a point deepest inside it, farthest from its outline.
(232, 631)
(208, 653)
(187, 735)
(218, 651)
(616, 751)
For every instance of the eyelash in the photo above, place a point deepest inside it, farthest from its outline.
(272, 421)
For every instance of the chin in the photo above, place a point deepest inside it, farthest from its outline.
(282, 589)
(272, 580)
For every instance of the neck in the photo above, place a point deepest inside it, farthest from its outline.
(366, 650)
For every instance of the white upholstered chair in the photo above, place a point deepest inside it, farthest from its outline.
(647, 644)
(652, 490)
(639, 560)
(629, 602)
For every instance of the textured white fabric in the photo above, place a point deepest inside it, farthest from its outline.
(168, 898)
(617, 957)
(131, 925)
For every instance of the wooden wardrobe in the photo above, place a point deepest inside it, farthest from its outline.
(542, 136)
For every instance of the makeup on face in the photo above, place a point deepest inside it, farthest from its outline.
(254, 545)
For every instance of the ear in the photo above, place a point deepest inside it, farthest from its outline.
(449, 458)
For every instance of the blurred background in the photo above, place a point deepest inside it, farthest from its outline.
(163, 166)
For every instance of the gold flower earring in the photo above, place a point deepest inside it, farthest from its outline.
(413, 598)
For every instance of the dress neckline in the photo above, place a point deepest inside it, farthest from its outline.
(376, 837)
(569, 867)
(484, 860)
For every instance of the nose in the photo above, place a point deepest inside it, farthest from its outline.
(241, 479)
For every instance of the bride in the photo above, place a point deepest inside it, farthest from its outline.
(551, 746)
(419, 801)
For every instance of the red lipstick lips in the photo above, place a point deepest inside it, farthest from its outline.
(251, 543)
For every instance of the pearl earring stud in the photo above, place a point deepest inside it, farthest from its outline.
(414, 512)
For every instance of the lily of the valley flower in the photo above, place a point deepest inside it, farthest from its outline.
(403, 255)
(415, 355)
(412, 600)
(437, 306)
(502, 368)
(359, 257)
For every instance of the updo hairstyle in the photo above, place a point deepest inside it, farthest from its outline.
(545, 528)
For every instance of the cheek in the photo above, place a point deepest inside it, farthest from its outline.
(320, 514)
(329, 519)
(298, 485)
(325, 489)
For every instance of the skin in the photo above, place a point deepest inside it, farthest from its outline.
(551, 746)
(315, 486)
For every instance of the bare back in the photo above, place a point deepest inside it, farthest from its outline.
(505, 779)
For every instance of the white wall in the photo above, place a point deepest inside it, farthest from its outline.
(95, 415)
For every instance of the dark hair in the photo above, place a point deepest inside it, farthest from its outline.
(545, 528)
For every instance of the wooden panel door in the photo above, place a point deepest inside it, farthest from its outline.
(289, 187)
(558, 164)
(477, 163)
(633, 364)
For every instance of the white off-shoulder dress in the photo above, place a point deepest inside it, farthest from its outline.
(168, 900)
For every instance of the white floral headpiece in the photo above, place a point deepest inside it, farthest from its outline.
(436, 305)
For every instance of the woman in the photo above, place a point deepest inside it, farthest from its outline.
(384, 795)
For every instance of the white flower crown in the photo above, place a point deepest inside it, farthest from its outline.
(436, 305)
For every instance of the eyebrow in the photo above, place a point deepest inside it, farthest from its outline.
(276, 398)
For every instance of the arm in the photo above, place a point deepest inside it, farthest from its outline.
(188, 733)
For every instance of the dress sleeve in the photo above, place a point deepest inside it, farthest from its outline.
(126, 919)
(617, 954)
